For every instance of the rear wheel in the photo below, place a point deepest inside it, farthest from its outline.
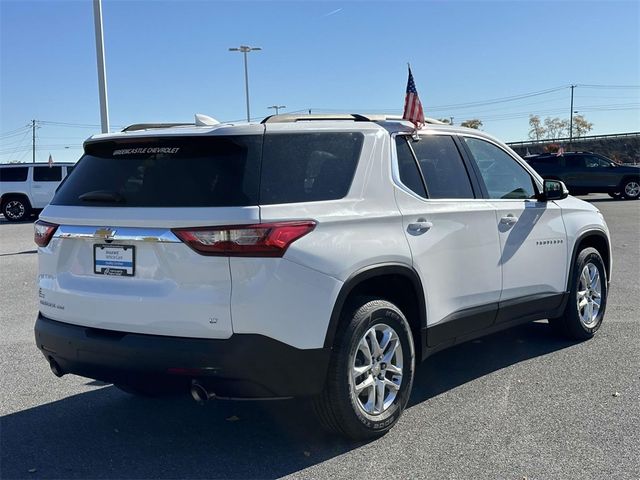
(587, 299)
(371, 372)
(15, 209)
(631, 189)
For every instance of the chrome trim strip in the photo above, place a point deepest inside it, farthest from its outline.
(125, 234)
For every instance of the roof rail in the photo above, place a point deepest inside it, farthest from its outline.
(290, 117)
(146, 126)
(356, 117)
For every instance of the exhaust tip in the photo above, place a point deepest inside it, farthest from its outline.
(200, 394)
(55, 368)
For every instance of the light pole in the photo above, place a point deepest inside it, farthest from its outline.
(102, 74)
(246, 49)
(277, 107)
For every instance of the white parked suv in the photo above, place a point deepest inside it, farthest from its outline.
(28, 187)
(310, 256)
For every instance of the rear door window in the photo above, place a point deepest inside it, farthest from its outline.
(14, 174)
(166, 172)
(308, 167)
(442, 167)
(47, 174)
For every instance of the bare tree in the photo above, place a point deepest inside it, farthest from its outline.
(581, 126)
(537, 130)
(555, 128)
(474, 123)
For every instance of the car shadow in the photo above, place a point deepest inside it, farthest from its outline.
(31, 219)
(107, 434)
(24, 252)
(601, 200)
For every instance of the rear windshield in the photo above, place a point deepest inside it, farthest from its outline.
(214, 171)
(167, 172)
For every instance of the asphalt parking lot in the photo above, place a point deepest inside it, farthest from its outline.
(517, 404)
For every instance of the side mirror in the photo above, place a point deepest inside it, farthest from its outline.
(555, 190)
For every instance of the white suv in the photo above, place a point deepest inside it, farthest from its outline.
(27, 188)
(305, 256)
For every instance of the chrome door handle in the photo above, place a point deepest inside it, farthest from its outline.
(509, 219)
(420, 226)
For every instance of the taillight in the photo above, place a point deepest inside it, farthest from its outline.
(260, 240)
(42, 232)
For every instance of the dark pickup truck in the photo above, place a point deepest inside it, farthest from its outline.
(586, 172)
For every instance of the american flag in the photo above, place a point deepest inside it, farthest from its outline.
(412, 106)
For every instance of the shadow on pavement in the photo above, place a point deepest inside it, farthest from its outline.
(25, 252)
(108, 434)
(4, 221)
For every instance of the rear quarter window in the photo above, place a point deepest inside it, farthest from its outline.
(14, 174)
(308, 167)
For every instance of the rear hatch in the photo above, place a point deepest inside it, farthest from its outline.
(115, 260)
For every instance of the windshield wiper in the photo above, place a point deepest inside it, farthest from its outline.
(102, 196)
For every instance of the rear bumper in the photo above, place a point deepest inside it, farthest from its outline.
(242, 366)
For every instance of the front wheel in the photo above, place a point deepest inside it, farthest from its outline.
(631, 189)
(371, 372)
(587, 302)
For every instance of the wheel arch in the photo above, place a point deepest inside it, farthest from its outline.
(7, 196)
(596, 239)
(396, 282)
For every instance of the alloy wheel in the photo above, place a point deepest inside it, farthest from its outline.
(376, 369)
(589, 295)
(632, 189)
(14, 210)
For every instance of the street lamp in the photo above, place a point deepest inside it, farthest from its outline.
(277, 107)
(246, 49)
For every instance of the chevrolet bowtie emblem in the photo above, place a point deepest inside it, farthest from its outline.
(105, 233)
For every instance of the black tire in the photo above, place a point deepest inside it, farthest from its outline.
(336, 407)
(630, 188)
(570, 324)
(15, 209)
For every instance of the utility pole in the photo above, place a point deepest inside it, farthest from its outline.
(33, 140)
(571, 118)
(102, 75)
(277, 107)
(245, 49)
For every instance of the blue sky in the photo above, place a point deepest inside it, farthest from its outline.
(168, 60)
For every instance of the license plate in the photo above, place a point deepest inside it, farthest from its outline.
(118, 260)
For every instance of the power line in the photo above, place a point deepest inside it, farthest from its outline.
(15, 132)
(612, 87)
